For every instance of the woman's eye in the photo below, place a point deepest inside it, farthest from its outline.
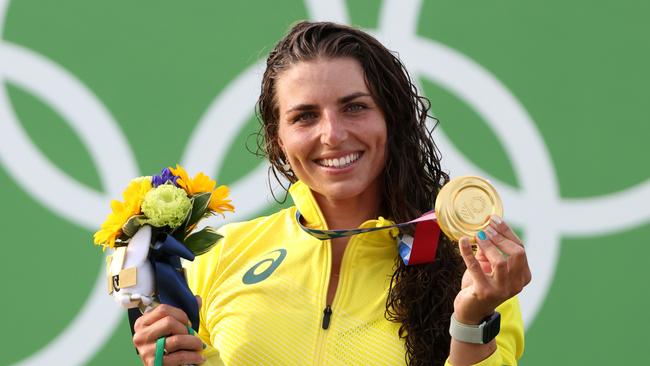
(355, 107)
(305, 116)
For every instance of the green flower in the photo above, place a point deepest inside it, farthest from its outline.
(166, 205)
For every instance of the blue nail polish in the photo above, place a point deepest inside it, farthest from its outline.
(481, 235)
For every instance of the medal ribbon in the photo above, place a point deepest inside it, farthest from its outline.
(413, 250)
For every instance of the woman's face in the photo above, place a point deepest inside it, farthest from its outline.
(330, 128)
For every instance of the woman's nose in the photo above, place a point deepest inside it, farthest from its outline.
(333, 131)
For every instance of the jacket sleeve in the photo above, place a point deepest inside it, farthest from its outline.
(510, 341)
(201, 283)
(212, 357)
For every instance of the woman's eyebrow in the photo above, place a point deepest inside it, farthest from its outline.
(301, 107)
(342, 100)
(352, 97)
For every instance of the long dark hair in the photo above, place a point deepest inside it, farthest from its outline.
(420, 297)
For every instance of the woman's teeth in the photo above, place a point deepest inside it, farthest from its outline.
(341, 162)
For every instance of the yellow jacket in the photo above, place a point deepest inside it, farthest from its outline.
(264, 291)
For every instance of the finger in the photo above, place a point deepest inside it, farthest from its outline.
(183, 342)
(161, 311)
(497, 223)
(466, 281)
(498, 262)
(480, 256)
(518, 270)
(472, 264)
(482, 259)
(183, 358)
(199, 301)
(165, 327)
(506, 245)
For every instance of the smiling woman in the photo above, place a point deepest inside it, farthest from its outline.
(343, 122)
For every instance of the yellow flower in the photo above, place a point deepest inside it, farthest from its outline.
(219, 202)
(133, 195)
(202, 183)
(111, 228)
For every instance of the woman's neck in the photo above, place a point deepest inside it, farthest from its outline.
(350, 212)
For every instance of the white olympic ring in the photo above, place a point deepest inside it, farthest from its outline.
(425, 58)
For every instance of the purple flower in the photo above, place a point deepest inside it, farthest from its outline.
(164, 177)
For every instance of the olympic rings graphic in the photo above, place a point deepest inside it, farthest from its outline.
(554, 217)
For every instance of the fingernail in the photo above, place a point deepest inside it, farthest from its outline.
(464, 244)
(490, 232)
(481, 235)
(204, 345)
(497, 220)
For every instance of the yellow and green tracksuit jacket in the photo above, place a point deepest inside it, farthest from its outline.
(264, 289)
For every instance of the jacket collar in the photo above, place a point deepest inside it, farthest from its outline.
(312, 215)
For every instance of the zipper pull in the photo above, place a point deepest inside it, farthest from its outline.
(327, 314)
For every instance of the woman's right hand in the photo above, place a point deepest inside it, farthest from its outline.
(167, 321)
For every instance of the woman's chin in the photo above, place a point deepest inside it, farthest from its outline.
(346, 189)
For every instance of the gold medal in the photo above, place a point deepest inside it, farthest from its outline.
(464, 206)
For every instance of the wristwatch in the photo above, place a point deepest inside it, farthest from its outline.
(478, 334)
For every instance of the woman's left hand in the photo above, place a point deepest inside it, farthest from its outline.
(497, 272)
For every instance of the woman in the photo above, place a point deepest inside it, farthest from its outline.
(344, 124)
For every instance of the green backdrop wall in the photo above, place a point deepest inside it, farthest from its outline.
(547, 99)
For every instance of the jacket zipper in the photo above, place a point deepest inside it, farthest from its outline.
(327, 311)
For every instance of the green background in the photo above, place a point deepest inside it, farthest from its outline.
(579, 68)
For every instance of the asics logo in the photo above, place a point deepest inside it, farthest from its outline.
(264, 268)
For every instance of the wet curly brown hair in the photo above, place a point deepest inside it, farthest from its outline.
(420, 297)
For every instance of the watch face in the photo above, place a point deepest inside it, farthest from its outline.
(492, 327)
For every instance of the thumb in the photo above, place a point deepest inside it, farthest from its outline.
(474, 268)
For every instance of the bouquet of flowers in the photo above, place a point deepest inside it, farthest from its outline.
(152, 230)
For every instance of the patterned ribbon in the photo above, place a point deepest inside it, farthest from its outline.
(413, 250)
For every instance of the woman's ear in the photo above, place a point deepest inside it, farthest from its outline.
(286, 166)
(281, 145)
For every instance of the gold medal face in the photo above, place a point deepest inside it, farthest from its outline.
(464, 206)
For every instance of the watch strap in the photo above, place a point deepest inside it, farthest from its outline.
(481, 333)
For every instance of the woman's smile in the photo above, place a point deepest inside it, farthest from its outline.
(339, 161)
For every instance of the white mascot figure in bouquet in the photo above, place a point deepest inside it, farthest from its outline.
(130, 273)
